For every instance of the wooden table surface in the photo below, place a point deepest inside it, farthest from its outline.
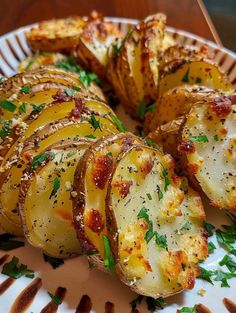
(189, 15)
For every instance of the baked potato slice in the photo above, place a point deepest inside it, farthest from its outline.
(40, 59)
(92, 49)
(156, 226)
(65, 129)
(91, 183)
(64, 106)
(202, 72)
(50, 187)
(176, 103)
(209, 149)
(58, 35)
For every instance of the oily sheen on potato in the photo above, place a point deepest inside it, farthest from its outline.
(154, 223)
(209, 149)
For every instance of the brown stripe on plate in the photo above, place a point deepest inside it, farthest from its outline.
(6, 284)
(231, 67)
(20, 45)
(6, 60)
(26, 297)
(4, 258)
(52, 307)
(230, 305)
(222, 60)
(12, 50)
(85, 305)
(109, 307)
(201, 308)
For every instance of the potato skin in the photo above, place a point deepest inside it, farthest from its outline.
(61, 35)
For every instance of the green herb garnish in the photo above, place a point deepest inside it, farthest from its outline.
(6, 130)
(160, 194)
(217, 275)
(90, 136)
(166, 178)
(55, 262)
(118, 123)
(187, 309)
(14, 269)
(38, 108)
(216, 137)
(226, 239)
(143, 108)
(40, 159)
(136, 301)
(7, 242)
(87, 78)
(25, 89)
(109, 261)
(186, 226)
(229, 262)
(56, 299)
(206, 275)
(185, 78)
(152, 304)
(8, 105)
(150, 143)
(22, 108)
(211, 247)
(75, 88)
(56, 186)
(95, 123)
(149, 196)
(209, 228)
(161, 240)
(199, 138)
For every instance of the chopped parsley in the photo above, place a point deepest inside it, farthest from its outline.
(229, 262)
(211, 247)
(55, 298)
(22, 108)
(118, 123)
(149, 196)
(6, 129)
(116, 49)
(95, 123)
(166, 178)
(76, 88)
(217, 275)
(109, 154)
(209, 228)
(187, 309)
(150, 143)
(186, 226)
(87, 78)
(216, 137)
(16, 270)
(90, 136)
(160, 240)
(40, 159)
(26, 89)
(38, 108)
(109, 261)
(206, 275)
(56, 186)
(55, 262)
(185, 78)
(226, 239)
(143, 108)
(7, 242)
(160, 194)
(8, 105)
(152, 304)
(199, 138)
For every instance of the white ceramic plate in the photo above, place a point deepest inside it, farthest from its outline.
(74, 275)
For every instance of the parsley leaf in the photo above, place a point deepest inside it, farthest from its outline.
(38, 108)
(109, 261)
(95, 123)
(90, 136)
(226, 240)
(209, 228)
(199, 138)
(216, 137)
(25, 89)
(56, 299)
(149, 196)
(56, 186)
(143, 214)
(153, 304)
(223, 277)
(211, 247)
(22, 108)
(40, 159)
(161, 240)
(187, 309)
(14, 269)
(206, 275)
(8, 105)
(150, 143)
(55, 262)
(166, 178)
(6, 129)
(87, 78)
(185, 78)
(143, 108)
(229, 262)
(76, 88)
(7, 242)
(186, 226)
(118, 123)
